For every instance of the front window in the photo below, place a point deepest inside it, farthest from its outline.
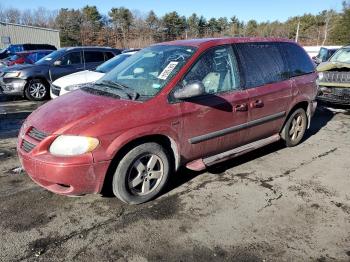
(342, 56)
(217, 70)
(148, 71)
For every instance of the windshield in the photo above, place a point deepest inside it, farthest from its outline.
(49, 58)
(342, 56)
(111, 63)
(149, 70)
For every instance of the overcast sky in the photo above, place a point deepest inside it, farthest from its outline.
(260, 10)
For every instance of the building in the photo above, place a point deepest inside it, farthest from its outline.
(23, 34)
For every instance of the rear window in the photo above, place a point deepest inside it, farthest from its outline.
(93, 56)
(299, 62)
(262, 63)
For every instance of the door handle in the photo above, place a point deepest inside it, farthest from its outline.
(257, 104)
(241, 108)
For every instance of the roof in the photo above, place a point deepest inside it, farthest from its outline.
(34, 51)
(87, 47)
(225, 40)
(29, 26)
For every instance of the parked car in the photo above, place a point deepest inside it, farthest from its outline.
(334, 78)
(26, 57)
(33, 81)
(74, 81)
(324, 54)
(188, 103)
(13, 49)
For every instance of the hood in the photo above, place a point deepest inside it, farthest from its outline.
(326, 66)
(75, 112)
(23, 67)
(82, 77)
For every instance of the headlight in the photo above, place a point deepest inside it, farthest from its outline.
(320, 76)
(74, 87)
(73, 145)
(12, 74)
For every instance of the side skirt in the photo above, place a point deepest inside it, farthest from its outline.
(201, 164)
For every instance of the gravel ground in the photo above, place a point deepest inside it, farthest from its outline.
(274, 204)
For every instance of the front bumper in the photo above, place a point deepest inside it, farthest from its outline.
(76, 175)
(64, 179)
(334, 95)
(12, 86)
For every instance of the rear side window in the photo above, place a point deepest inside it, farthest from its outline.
(93, 56)
(298, 61)
(262, 63)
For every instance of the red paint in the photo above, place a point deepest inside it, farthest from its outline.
(116, 122)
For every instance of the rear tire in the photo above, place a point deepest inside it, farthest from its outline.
(141, 174)
(36, 90)
(295, 127)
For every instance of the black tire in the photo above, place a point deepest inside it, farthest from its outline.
(43, 90)
(134, 169)
(293, 131)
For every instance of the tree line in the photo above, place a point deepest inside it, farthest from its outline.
(126, 28)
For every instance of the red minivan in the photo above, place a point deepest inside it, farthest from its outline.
(188, 103)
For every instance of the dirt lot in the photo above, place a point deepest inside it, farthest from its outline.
(275, 204)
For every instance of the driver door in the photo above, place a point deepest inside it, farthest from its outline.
(211, 123)
(70, 63)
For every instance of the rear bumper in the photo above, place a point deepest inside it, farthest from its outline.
(65, 179)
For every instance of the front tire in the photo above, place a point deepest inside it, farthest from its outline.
(141, 174)
(295, 127)
(36, 90)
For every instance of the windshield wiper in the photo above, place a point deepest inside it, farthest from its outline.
(129, 91)
(107, 90)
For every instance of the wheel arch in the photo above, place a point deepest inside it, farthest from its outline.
(167, 142)
(301, 104)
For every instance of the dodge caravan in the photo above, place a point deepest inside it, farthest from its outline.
(190, 103)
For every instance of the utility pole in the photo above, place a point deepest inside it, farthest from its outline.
(297, 35)
(326, 28)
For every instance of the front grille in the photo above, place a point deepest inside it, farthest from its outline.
(36, 134)
(55, 90)
(27, 146)
(336, 77)
(32, 135)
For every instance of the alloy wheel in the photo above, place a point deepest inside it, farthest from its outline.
(297, 127)
(37, 90)
(145, 174)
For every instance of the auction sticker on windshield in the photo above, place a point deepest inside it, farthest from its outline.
(167, 70)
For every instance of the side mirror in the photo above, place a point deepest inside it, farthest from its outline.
(190, 90)
(57, 63)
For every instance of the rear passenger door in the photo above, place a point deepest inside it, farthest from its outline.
(266, 79)
(93, 59)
